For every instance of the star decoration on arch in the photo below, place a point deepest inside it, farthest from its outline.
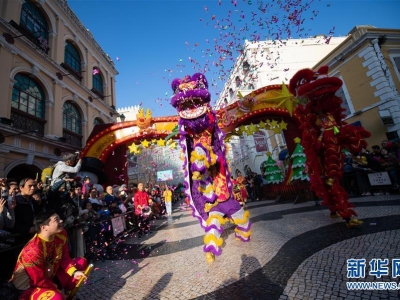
(161, 142)
(274, 123)
(276, 129)
(262, 125)
(252, 128)
(283, 125)
(135, 149)
(145, 143)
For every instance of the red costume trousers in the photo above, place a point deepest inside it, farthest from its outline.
(67, 282)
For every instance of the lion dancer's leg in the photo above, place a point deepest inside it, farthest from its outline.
(338, 199)
(242, 230)
(212, 239)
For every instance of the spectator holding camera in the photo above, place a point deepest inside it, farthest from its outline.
(69, 164)
(7, 216)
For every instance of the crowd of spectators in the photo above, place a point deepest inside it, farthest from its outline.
(381, 159)
(86, 211)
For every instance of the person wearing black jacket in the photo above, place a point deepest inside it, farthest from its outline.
(25, 210)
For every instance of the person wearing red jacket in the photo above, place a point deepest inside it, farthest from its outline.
(142, 210)
(45, 260)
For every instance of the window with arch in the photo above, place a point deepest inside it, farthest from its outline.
(246, 67)
(72, 124)
(34, 25)
(230, 93)
(28, 96)
(28, 104)
(72, 119)
(97, 82)
(97, 121)
(72, 60)
(342, 93)
(250, 86)
(238, 81)
(395, 58)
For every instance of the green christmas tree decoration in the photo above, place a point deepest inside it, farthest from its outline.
(272, 173)
(299, 162)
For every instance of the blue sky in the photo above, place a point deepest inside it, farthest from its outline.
(159, 40)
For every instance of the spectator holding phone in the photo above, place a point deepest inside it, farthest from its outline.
(7, 205)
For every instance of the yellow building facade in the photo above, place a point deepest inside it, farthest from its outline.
(368, 62)
(56, 83)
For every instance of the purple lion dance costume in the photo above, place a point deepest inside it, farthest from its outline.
(207, 176)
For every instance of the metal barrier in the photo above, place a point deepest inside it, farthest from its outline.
(359, 182)
(298, 191)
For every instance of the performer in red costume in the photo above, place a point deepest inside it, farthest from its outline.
(324, 135)
(45, 258)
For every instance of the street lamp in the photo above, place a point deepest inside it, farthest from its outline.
(122, 117)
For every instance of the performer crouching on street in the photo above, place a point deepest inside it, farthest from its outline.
(44, 264)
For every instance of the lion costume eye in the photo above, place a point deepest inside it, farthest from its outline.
(302, 81)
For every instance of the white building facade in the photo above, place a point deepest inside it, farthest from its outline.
(261, 64)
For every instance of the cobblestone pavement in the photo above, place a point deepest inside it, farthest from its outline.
(296, 252)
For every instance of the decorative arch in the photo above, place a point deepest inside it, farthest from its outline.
(107, 143)
(272, 100)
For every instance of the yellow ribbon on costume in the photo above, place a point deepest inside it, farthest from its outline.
(208, 206)
(242, 233)
(209, 189)
(220, 219)
(196, 175)
(244, 220)
(199, 157)
(210, 237)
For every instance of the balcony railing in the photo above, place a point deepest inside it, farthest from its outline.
(43, 46)
(71, 71)
(27, 122)
(98, 93)
(72, 138)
